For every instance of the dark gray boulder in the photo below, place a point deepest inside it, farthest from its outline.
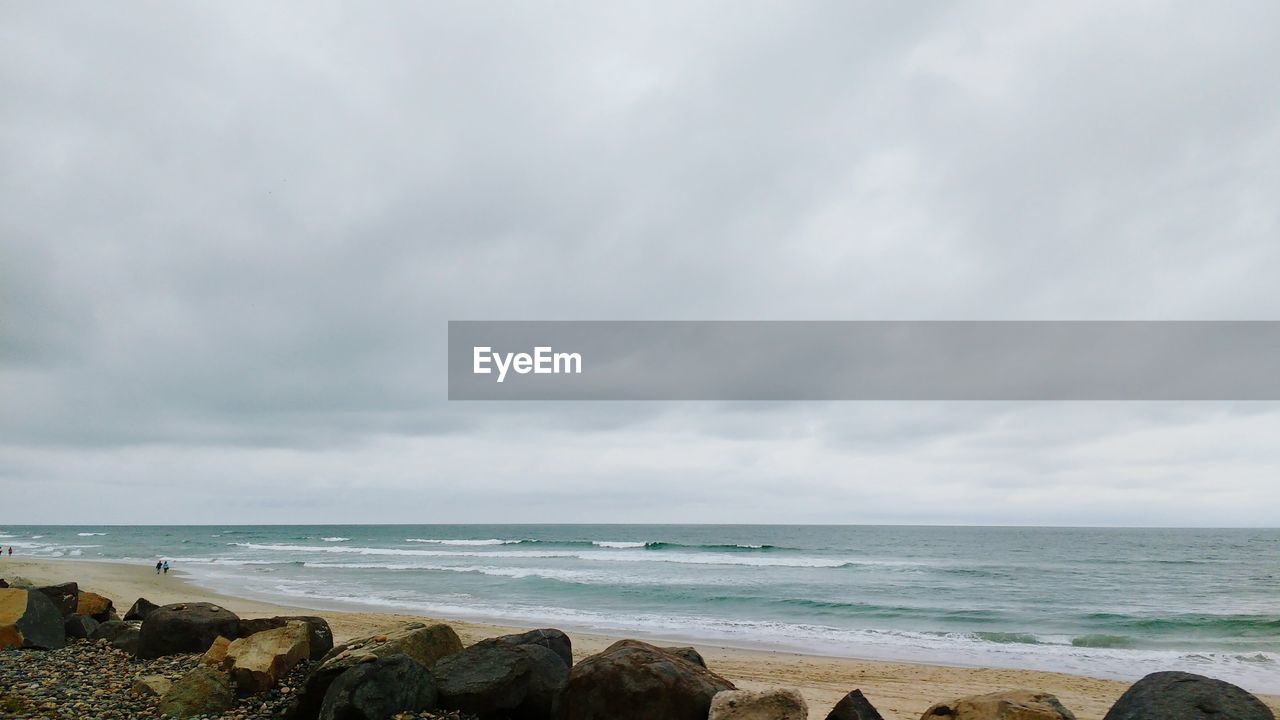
(495, 680)
(79, 626)
(64, 596)
(121, 634)
(554, 640)
(688, 653)
(854, 706)
(1184, 696)
(185, 628)
(633, 680)
(379, 689)
(140, 609)
(318, 631)
(424, 643)
(29, 619)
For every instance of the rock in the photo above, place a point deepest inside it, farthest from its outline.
(257, 662)
(3, 584)
(854, 706)
(424, 643)
(185, 628)
(378, 689)
(148, 685)
(1005, 705)
(140, 609)
(499, 680)
(321, 636)
(29, 619)
(122, 635)
(95, 606)
(79, 626)
(1184, 696)
(203, 691)
(217, 652)
(633, 680)
(550, 638)
(688, 653)
(765, 705)
(64, 596)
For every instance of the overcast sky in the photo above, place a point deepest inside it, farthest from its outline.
(231, 235)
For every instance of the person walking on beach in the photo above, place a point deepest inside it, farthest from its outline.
(158, 564)
(166, 567)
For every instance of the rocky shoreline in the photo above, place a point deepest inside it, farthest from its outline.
(66, 653)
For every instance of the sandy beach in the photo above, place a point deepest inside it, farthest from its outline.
(900, 691)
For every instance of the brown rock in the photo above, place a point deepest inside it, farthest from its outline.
(217, 652)
(764, 705)
(203, 691)
(148, 685)
(29, 619)
(95, 606)
(1006, 705)
(424, 643)
(633, 680)
(317, 628)
(259, 661)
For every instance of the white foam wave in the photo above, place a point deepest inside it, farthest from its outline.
(335, 539)
(621, 544)
(490, 541)
(1255, 671)
(596, 555)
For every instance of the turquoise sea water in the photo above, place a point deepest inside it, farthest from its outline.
(1104, 602)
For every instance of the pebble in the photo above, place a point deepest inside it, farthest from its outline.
(90, 680)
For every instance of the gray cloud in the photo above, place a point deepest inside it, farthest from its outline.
(230, 238)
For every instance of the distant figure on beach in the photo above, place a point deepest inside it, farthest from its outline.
(10, 551)
(158, 565)
(166, 567)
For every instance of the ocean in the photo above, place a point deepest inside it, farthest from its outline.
(1115, 603)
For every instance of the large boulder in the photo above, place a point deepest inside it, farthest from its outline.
(1005, 705)
(752, 705)
(550, 638)
(95, 606)
(257, 662)
(29, 619)
(424, 643)
(185, 628)
(79, 626)
(1184, 696)
(498, 681)
(321, 637)
(140, 609)
(203, 691)
(854, 706)
(3, 584)
(64, 596)
(379, 689)
(633, 680)
(120, 634)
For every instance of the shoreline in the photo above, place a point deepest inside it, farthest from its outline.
(899, 690)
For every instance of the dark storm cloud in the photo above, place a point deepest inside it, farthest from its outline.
(231, 235)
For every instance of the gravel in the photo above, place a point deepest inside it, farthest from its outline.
(91, 680)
